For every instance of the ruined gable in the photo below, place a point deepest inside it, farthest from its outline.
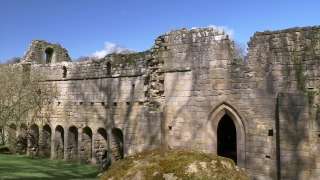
(42, 52)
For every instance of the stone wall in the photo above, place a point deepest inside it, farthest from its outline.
(202, 79)
(176, 95)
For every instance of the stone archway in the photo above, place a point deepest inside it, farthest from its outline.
(72, 149)
(86, 146)
(101, 147)
(22, 140)
(117, 148)
(226, 114)
(59, 142)
(227, 138)
(45, 147)
(33, 140)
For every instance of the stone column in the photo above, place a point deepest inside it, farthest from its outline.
(53, 135)
(66, 144)
(40, 142)
(28, 145)
(95, 139)
(110, 139)
(80, 145)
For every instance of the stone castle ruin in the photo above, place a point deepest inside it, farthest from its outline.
(189, 91)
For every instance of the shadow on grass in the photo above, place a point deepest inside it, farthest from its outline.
(23, 167)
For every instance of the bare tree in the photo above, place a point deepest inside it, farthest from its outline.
(82, 58)
(24, 98)
(122, 55)
(13, 60)
(239, 50)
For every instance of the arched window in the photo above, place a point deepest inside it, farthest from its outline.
(48, 55)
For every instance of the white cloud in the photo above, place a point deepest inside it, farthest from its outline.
(228, 31)
(108, 48)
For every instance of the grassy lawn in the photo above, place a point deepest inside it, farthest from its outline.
(23, 167)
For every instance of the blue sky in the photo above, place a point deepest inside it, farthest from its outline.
(84, 27)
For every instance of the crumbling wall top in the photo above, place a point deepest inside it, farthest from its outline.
(42, 52)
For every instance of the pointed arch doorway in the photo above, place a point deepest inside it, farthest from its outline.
(227, 138)
(225, 134)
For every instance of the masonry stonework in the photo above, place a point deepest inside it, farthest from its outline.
(189, 91)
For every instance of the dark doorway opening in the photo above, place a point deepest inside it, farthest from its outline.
(59, 142)
(73, 144)
(46, 142)
(87, 149)
(117, 144)
(227, 138)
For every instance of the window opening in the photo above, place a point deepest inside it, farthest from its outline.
(64, 75)
(108, 68)
(48, 55)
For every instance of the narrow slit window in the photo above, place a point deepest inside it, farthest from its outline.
(108, 68)
(64, 75)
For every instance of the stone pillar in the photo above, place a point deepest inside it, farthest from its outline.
(66, 144)
(109, 135)
(40, 141)
(28, 145)
(53, 135)
(80, 145)
(94, 141)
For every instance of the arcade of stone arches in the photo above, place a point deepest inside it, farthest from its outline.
(76, 144)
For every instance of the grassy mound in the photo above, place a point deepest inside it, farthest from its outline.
(174, 164)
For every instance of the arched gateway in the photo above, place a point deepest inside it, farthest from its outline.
(225, 134)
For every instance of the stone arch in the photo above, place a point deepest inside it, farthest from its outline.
(117, 148)
(33, 140)
(72, 148)
(22, 141)
(214, 117)
(101, 146)
(12, 134)
(59, 142)
(48, 55)
(45, 147)
(86, 146)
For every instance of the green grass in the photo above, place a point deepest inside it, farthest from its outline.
(23, 167)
